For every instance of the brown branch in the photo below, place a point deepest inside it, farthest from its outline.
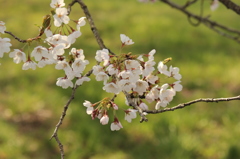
(230, 5)
(91, 22)
(219, 28)
(20, 40)
(183, 105)
(64, 112)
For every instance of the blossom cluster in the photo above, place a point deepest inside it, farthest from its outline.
(139, 76)
(136, 76)
(72, 62)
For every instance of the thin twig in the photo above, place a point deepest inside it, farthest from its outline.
(15, 37)
(183, 105)
(64, 112)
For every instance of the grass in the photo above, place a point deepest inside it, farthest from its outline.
(31, 103)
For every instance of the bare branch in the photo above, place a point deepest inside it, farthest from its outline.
(230, 5)
(20, 40)
(91, 22)
(219, 28)
(64, 112)
(183, 105)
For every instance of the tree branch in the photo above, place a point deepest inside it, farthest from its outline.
(230, 5)
(64, 112)
(91, 22)
(219, 28)
(183, 105)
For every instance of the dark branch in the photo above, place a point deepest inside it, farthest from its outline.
(91, 22)
(64, 112)
(230, 5)
(219, 28)
(183, 105)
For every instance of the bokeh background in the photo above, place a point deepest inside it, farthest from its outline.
(31, 103)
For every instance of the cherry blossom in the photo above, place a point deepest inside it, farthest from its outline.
(104, 119)
(57, 3)
(89, 106)
(64, 82)
(143, 106)
(29, 65)
(80, 80)
(4, 46)
(39, 52)
(126, 40)
(130, 114)
(102, 55)
(61, 17)
(2, 27)
(163, 69)
(141, 87)
(112, 88)
(214, 5)
(81, 22)
(18, 56)
(116, 125)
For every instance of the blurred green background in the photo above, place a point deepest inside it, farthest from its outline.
(31, 103)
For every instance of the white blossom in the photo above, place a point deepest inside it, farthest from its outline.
(79, 65)
(163, 69)
(97, 69)
(130, 114)
(102, 76)
(81, 22)
(18, 56)
(132, 64)
(104, 119)
(151, 55)
(116, 125)
(126, 40)
(4, 46)
(81, 80)
(57, 3)
(64, 82)
(63, 65)
(2, 27)
(174, 71)
(73, 36)
(39, 52)
(61, 17)
(77, 53)
(102, 55)
(214, 5)
(112, 88)
(141, 87)
(151, 78)
(126, 85)
(89, 106)
(177, 86)
(148, 68)
(143, 106)
(29, 65)
(111, 70)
